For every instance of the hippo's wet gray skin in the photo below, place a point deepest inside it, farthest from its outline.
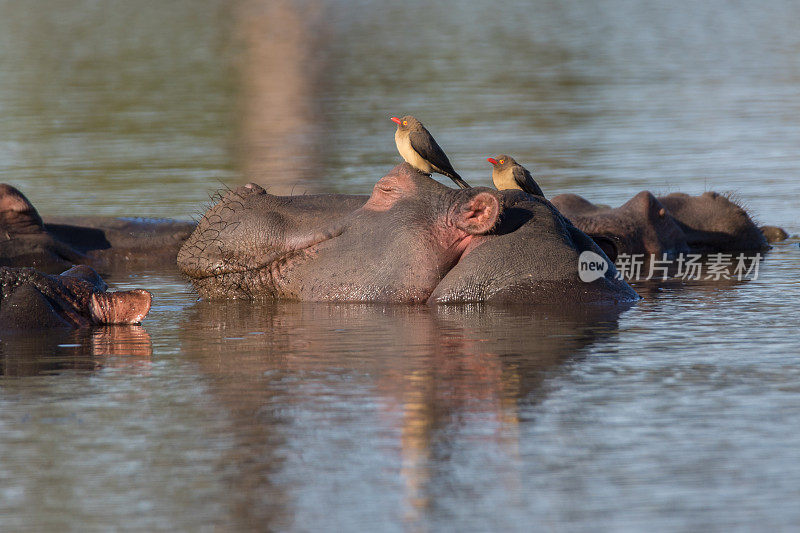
(106, 243)
(397, 245)
(74, 299)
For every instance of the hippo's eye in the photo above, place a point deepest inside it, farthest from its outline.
(405, 123)
(390, 186)
(502, 161)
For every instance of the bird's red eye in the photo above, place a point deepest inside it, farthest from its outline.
(502, 161)
(405, 123)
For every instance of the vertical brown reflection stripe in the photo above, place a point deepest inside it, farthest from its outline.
(279, 70)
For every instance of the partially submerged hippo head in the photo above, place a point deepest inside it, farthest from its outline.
(23, 239)
(77, 298)
(106, 243)
(395, 246)
(713, 223)
(532, 256)
(642, 225)
(17, 214)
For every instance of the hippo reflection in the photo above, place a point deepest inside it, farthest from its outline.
(58, 350)
(422, 381)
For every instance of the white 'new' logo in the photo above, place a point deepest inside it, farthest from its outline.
(591, 266)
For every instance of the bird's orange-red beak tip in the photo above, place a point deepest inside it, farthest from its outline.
(396, 120)
(492, 160)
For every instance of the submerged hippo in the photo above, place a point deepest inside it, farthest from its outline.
(639, 226)
(714, 223)
(413, 240)
(672, 224)
(76, 298)
(55, 244)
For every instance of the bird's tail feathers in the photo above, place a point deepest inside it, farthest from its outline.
(460, 182)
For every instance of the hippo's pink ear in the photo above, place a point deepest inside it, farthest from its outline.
(477, 214)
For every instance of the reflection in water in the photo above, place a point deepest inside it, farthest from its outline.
(460, 378)
(55, 351)
(279, 117)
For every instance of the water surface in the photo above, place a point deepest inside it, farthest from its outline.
(677, 414)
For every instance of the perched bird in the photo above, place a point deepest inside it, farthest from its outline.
(508, 174)
(419, 149)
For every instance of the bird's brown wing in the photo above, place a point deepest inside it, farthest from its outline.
(526, 181)
(427, 147)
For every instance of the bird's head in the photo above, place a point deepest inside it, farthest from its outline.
(501, 161)
(407, 123)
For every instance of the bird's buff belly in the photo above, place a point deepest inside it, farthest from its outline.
(410, 155)
(505, 181)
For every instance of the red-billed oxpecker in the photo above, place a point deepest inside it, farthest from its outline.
(508, 174)
(420, 150)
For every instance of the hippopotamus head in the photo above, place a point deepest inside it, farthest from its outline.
(396, 245)
(107, 243)
(713, 223)
(532, 256)
(77, 298)
(23, 239)
(642, 225)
